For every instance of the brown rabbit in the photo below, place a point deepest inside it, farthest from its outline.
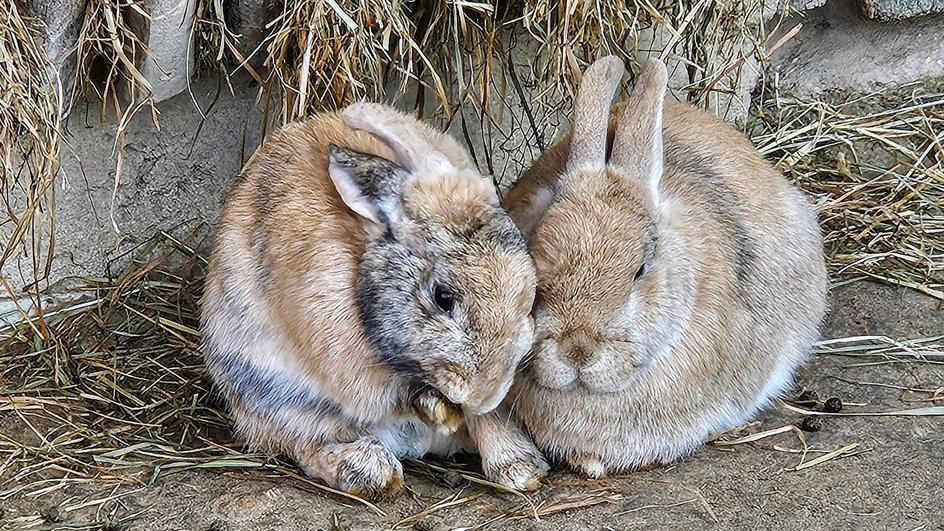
(363, 266)
(681, 281)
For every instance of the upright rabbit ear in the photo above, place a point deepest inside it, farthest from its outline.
(592, 114)
(369, 185)
(637, 146)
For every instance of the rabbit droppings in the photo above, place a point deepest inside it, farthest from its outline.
(362, 266)
(681, 280)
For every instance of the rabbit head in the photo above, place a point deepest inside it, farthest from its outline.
(446, 286)
(602, 307)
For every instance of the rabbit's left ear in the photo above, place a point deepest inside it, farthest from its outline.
(368, 185)
(637, 146)
(592, 114)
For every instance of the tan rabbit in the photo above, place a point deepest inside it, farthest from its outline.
(681, 281)
(363, 266)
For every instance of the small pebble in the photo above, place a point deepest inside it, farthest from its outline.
(50, 514)
(811, 424)
(832, 405)
(424, 525)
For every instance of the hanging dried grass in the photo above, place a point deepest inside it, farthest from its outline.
(30, 142)
(111, 40)
(32, 112)
(326, 53)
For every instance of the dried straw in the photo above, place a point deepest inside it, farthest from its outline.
(110, 39)
(112, 384)
(876, 165)
(33, 108)
(324, 54)
(712, 40)
(30, 141)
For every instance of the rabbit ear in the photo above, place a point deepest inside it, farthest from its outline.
(369, 185)
(399, 134)
(592, 113)
(637, 146)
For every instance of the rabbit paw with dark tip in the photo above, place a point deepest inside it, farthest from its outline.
(365, 468)
(522, 472)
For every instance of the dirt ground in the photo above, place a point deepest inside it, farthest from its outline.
(891, 480)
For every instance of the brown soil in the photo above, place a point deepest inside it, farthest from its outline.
(890, 481)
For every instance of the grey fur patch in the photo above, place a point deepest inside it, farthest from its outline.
(504, 232)
(724, 207)
(388, 277)
(267, 393)
(395, 277)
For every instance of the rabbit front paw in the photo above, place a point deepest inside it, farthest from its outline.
(435, 411)
(522, 472)
(509, 457)
(365, 468)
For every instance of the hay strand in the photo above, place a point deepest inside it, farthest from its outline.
(878, 177)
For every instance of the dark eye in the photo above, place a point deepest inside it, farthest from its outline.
(641, 272)
(444, 298)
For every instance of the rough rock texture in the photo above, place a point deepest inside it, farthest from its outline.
(247, 19)
(172, 180)
(899, 9)
(169, 61)
(62, 20)
(839, 50)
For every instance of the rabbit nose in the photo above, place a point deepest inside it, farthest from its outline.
(579, 356)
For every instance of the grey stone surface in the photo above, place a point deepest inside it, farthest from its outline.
(899, 9)
(837, 49)
(168, 63)
(172, 180)
(61, 21)
(803, 5)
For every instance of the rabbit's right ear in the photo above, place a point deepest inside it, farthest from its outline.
(592, 114)
(368, 185)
